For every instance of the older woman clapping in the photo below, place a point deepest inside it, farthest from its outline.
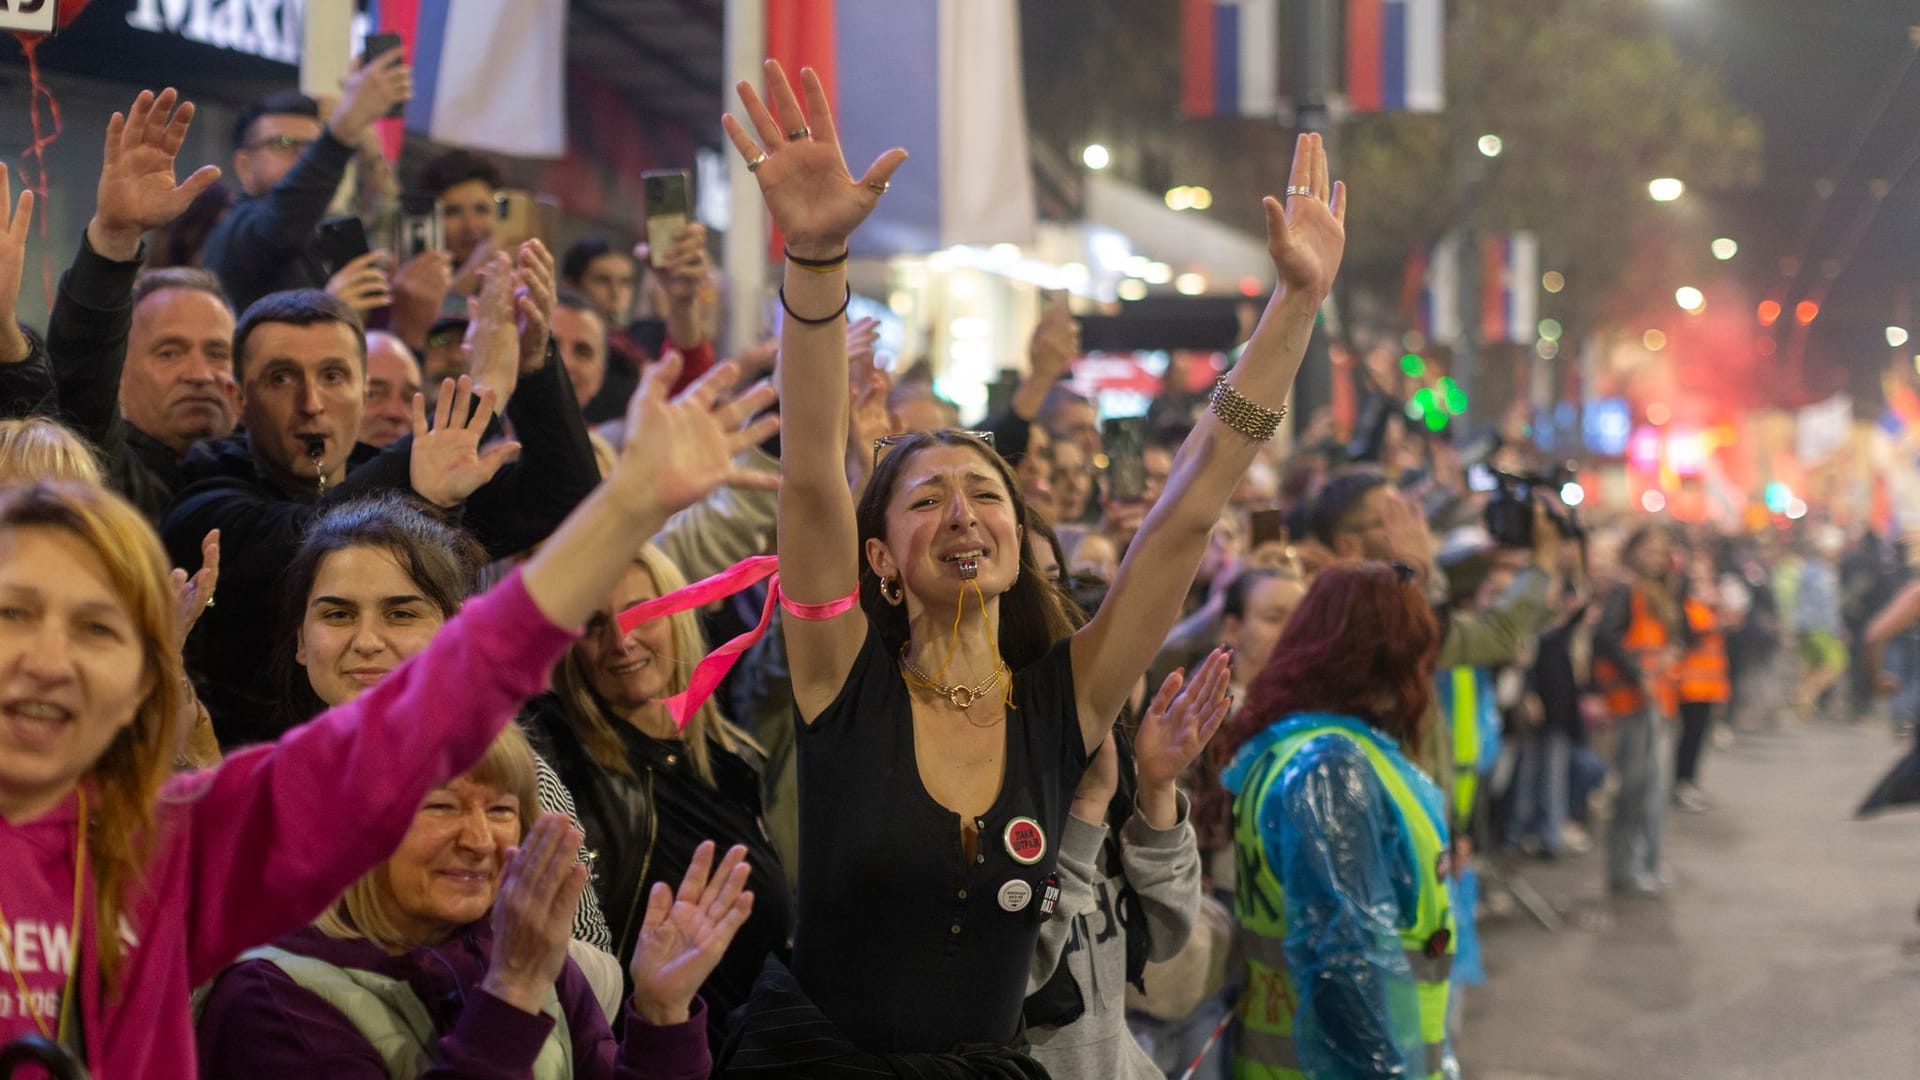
(452, 956)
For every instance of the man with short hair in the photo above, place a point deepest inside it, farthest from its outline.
(142, 362)
(301, 360)
(1072, 418)
(393, 377)
(289, 164)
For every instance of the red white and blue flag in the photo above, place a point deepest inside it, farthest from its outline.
(1231, 58)
(1509, 289)
(939, 77)
(487, 74)
(1396, 53)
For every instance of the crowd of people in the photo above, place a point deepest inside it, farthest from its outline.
(361, 717)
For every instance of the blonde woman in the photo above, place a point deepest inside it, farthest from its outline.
(36, 448)
(649, 793)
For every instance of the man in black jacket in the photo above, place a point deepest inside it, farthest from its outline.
(289, 165)
(301, 359)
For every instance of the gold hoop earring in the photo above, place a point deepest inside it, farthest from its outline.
(896, 596)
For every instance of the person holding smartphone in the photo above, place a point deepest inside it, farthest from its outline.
(289, 164)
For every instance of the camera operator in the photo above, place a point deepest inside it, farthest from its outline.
(1359, 515)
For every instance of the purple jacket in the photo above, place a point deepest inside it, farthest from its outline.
(259, 1022)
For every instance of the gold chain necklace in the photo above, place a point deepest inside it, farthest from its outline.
(961, 697)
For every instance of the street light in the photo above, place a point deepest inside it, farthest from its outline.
(1725, 248)
(1491, 145)
(1896, 336)
(1095, 157)
(1666, 189)
(1190, 284)
(1553, 281)
(1690, 299)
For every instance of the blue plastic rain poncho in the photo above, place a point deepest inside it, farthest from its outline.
(1343, 863)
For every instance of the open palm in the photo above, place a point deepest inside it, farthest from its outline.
(684, 934)
(448, 463)
(137, 191)
(1307, 235)
(809, 191)
(1182, 719)
(679, 451)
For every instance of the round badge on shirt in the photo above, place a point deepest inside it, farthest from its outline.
(1015, 895)
(1026, 844)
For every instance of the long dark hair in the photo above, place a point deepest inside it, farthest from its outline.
(1362, 644)
(442, 561)
(1032, 616)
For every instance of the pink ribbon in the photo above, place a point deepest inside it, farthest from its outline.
(713, 668)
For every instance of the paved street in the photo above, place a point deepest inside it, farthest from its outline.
(1788, 948)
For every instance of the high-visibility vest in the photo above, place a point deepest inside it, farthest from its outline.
(1703, 671)
(1266, 1047)
(1472, 713)
(1646, 639)
(390, 1016)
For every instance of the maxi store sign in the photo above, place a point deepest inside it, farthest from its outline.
(267, 29)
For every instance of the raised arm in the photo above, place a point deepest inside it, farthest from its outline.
(816, 203)
(258, 870)
(1306, 239)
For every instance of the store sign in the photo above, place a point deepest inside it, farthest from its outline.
(35, 16)
(268, 29)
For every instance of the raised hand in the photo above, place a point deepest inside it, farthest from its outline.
(863, 336)
(448, 463)
(493, 334)
(372, 88)
(1056, 341)
(680, 451)
(194, 594)
(363, 284)
(684, 934)
(137, 190)
(1181, 720)
(13, 260)
(1307, 235)
(803, 175)
(533, 293)
(540, 885)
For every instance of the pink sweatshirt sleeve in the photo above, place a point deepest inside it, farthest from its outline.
(278, 831)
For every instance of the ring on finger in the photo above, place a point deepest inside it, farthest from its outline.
(880, 187)
(1301, 190)
(801, 132)
(754, 165)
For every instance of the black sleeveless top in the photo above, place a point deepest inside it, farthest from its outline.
(901, 941)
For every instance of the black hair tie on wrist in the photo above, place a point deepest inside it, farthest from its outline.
(817, 264)
(799, 318)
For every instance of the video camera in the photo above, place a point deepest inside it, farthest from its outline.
(1510, 513)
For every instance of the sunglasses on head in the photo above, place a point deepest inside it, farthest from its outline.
(885, 443)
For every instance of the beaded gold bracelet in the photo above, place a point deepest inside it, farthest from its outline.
(1256, 422)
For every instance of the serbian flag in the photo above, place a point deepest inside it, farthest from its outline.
(487, 74)
(1432, 290)
(1396, 55)
(941, 78)
(1230, 58)
(1509, 288)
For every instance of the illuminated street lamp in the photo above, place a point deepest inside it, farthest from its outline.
(1095, 157)
(1724, 249)
(1666, 189)
(1690, 299)
(1896, 336)
(1491, 145)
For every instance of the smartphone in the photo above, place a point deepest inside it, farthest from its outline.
(338, 241)
(379, 45)
(1126, 442)
(668, 201)
(1269, 527)
(514, 220)
(418, 228)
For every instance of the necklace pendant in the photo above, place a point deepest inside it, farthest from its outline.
(962, 697)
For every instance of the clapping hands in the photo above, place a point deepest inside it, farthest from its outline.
(13, 260)
(684, 934)
(448, 463)
(1182, 719)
